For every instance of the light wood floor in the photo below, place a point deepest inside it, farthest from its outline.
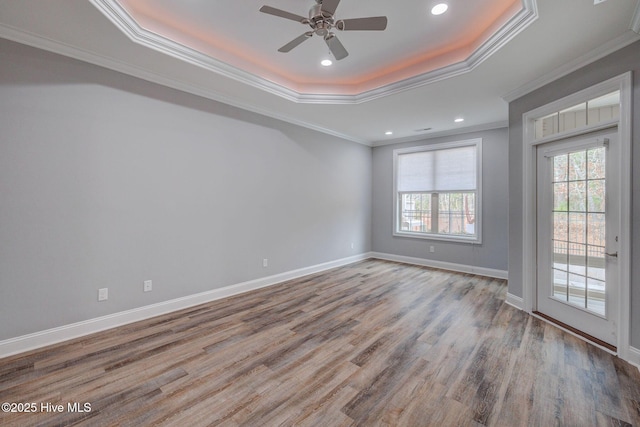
(372, 343)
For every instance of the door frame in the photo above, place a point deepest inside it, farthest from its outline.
(623, 83)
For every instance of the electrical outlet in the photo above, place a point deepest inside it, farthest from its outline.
(103, 294)
(147, 286)
(265, 262)
(432, 249)
(352, 245)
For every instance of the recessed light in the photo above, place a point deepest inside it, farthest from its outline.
(326, 62)
(388, 132)
(459, 120)
(439, 9)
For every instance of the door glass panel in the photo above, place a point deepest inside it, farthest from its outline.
(577, 287)
(560, 197)
(577, 259)
(595, 263)
(560, 168)
(560, 231)
(596, 195)
(596, 299)
(596, 226)
(579, 229)
(596, 163)
(560, 284)
(577, 196)
(577, 166)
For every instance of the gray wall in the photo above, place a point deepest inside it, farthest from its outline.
(492, 253)
(107, 180)
(613, 65)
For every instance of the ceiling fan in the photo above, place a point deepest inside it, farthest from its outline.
(321, 21)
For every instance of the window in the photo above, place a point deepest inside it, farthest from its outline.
(603, 109)
(437, 191)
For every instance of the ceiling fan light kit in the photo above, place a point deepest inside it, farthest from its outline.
(321, 20)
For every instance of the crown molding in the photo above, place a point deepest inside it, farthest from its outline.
(431, 135)
(47, 44)
(578, 63)
(635, 20)
(506, 33)
(128, 25)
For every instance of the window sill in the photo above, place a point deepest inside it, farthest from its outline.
(438, 237)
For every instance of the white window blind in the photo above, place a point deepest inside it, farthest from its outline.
(438, 191)
(450, 169)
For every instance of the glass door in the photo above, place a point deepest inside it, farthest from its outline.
(577, 224)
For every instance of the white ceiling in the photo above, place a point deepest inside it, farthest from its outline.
(414, 42)
(510, 50)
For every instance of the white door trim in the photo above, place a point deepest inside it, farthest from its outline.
(624, 84)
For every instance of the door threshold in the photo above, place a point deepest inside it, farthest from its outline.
(590, 338)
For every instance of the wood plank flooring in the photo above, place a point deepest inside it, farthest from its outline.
(374, 343)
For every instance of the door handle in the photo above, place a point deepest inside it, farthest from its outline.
(615, 254)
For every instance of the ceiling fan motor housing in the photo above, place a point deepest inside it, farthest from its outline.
(316, 14)
(320, 21)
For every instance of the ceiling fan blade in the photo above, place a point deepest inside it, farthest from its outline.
(330, 6)
(282, 13)
(295, 42)
(375, 23)
(336, 48)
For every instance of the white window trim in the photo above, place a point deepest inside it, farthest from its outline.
(624, 85)
(477, 142)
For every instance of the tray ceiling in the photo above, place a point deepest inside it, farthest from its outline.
(233, 38)
(227, 52)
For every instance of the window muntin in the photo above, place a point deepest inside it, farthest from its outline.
(437, 191)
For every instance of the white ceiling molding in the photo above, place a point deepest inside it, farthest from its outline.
(430, 135)
(127, 24)
(83, 32)
(39, 42)
(599, 53)
(517, 24)
(635, 21)
(592, 56)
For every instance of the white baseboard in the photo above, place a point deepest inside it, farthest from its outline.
(515, 301)
(52, 336)
(633, 357)
(63, 333)
(460, 268)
